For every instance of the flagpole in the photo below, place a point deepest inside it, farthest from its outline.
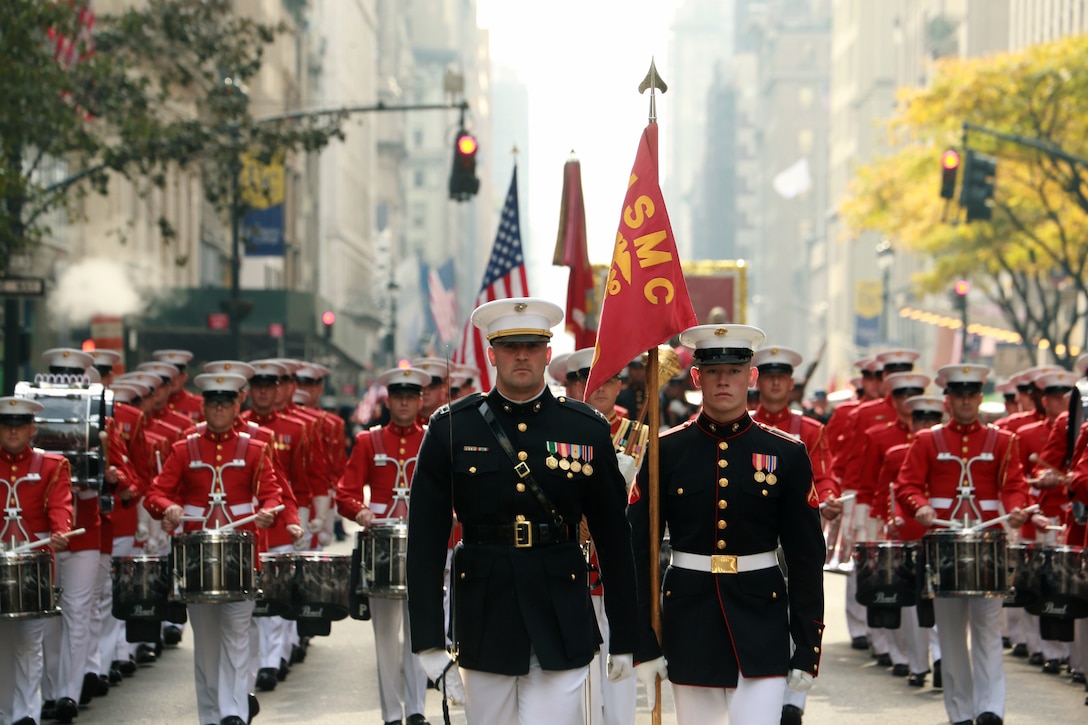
(653, 81)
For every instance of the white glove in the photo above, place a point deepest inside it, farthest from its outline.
(302, 544)
(323, 538)
(799, 681)
(321, 510)
(434, 662)
(647, 673)
(860, 522)
(627, 468)
(304, 517)
(620, 667)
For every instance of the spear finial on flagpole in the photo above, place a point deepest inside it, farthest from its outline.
(652, 81)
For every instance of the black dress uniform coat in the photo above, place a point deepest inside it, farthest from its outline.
(736, 488)
(508, 599)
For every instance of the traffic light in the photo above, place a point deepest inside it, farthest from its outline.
(959, 294)
(328, 318)
(950, 166)
(463, 181)
(979, 172)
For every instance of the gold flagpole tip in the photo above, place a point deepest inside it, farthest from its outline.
(652, 80)
(514, 151)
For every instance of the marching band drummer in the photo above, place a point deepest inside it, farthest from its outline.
(521, 467)
(37, 489)
(942, 462)
(180, 400)
(220, 631)
(731, 493)
(383, 459)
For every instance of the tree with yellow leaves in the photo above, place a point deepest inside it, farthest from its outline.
(1029, 110)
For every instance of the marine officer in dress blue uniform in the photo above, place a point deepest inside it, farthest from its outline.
(731, 491)
(521, 468)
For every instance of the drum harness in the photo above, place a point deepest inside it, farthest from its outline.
(12, 509)
(966, 506)
(400, 486)
(217, 496)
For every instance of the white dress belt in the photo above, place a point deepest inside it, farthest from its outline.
(724, 563)
(984, 504)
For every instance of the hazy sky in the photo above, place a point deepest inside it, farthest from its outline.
(582, 61)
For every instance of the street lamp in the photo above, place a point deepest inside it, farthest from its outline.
(885, 259)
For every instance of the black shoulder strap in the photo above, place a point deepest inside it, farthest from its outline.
(520, 467)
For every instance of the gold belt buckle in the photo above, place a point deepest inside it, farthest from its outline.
(523, 534)
(723, 564)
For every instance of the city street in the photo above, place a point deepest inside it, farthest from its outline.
(338, 683)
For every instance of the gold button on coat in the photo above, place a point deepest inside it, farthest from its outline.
(520, 487)
(523, 456)
(522, 427)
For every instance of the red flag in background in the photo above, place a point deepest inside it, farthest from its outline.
(646, 298)
(571, 251)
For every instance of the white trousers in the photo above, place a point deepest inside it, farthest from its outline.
(21, 669)
(101, 614)
(222, 659)
(974, 680)
(610, 703)
(1078, 653)
(754, 701)
(539, 697)
(67, 645)
(919, 640)
(399, 672)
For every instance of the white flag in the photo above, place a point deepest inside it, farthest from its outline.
(794, 180)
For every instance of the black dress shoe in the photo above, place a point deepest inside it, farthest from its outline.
(791, 715)
(145, 654)
(266, 679)
(938, 682)
(861, 642)
(283, 671)
(1052, 667)
(25, 721)
(93, 686)
(394, 722)
(1006, 642)
(884, 660)
(171, 635)
(114, 677)
(254, 706)
(298, 654)
(963, 722)
(66, 711)
(232, 720)
(917, 680)
(900, 670)
(127, 667)
(49, 710)
(1020, 650)
(417, 719)
(1036, 658)
(988, 718)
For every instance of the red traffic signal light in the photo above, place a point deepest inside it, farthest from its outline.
(328, 317)
(463, 181)
(466, 144)
(950, 165)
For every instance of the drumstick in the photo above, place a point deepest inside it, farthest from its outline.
(251, 517)
(847, 497)
(45, 542)
(949, 524)
(985, 524)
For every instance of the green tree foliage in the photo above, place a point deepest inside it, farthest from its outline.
(1030, 259)
(163, 84)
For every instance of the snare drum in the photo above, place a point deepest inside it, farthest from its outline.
(321, 587)
(141, 587)
(1023, 574)
(276, 579)
(966, 564)
(1062, 573)
(212, 566)
(383, 553)
(887, 573)
(26, 585)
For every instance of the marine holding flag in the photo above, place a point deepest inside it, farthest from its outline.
(728, 619)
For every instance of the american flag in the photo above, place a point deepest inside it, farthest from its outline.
(443, 304)
(71, 49)
(504, 278)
